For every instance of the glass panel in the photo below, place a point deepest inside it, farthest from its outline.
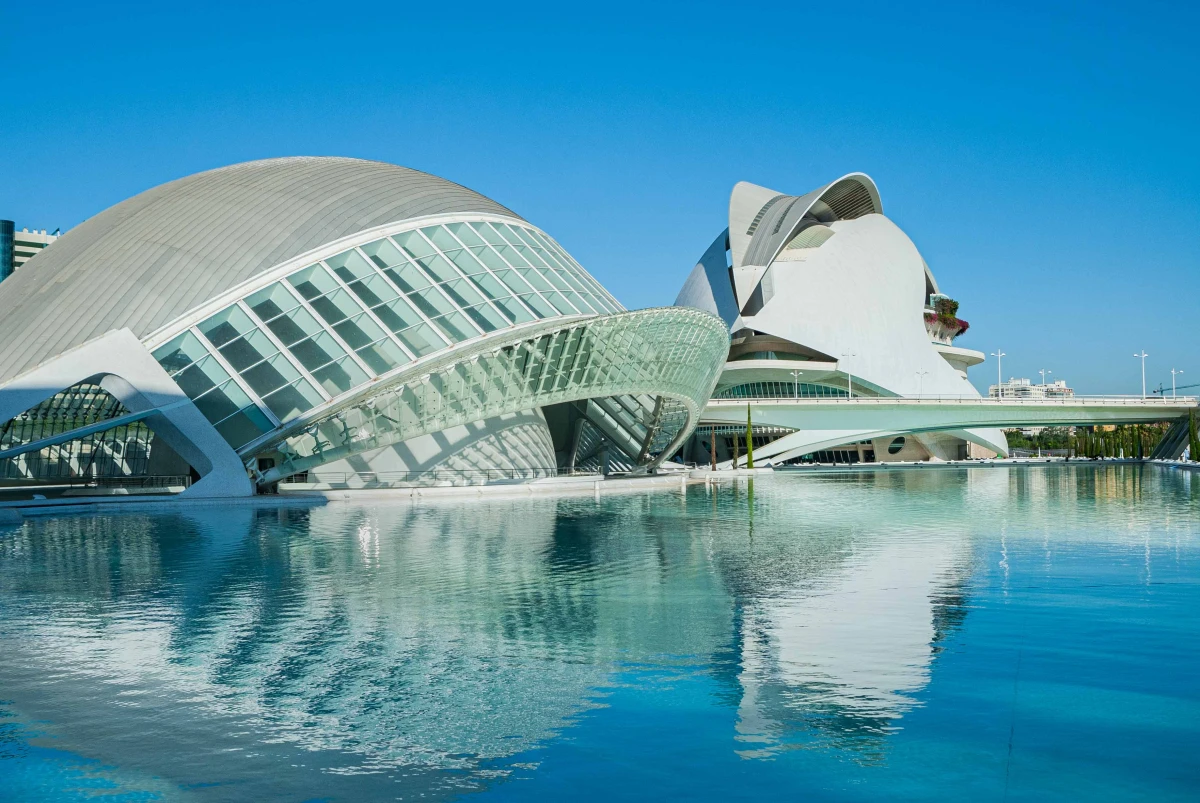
(431, 302)
(414, 244)
(422, 339)
(534, 278)
(373, 290)
(490, 286)
(272, 302)
(383, 356)
(560, 303)
(533, 257)
(295, 325)
(486, 318)
(514, 282)
(240, 429)
(439, 268)
(216, 404)
(488, 233)
(226, 325)
(578, 301)
(359, 332)
(441, 238)
(266, 376)
(554, 279)
(384, 253)
(490, 258)
(539, 306)
(350, 265)
(408, 278)
(514, 310)
(340, 377)
(467, 262)
(205, 374)
(313, 281)
(511, 256)
(318, 350)
(462, 293)
(180, 353)
(465, 233)
(337, 306)
(456, 326)
(293, 400)
(245, 351)
(397, 314)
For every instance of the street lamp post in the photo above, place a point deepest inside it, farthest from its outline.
(1173, 372)
(849, 379)
(998, 354)
(1043, 372)
(796, 382)
(1143, 356)
(921, 383)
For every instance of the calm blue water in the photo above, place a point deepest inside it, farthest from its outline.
(986, 634)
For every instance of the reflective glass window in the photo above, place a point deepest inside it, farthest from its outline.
(579, 302)
(560, 303)
(431, 302)
(438, 268)
(359, 331)
(313, 281)
(422, 339)
(222, 402)
(539, 306)
(180, 353)
(294, 326)
(341, 376)
(456, 326)
(226, 325)
(465, 233)
(320, 349)
(350, 265)
(384, 253)
(486, 318)
(243, 427)
(383, 356)
(490, 258)
(488, 234)
(397, 315)
(289, 402)
(490, 286)
(373, 290)
(462, 292)
(414, 245)
(408, 278)
(246, 351)
(535, 279)
(336, 306)
(441, 238)
(272, 302)
(201, 376)
(514, 310)
(467, 262)
(269, 375)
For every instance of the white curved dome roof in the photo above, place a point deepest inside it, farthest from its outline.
(151, 259)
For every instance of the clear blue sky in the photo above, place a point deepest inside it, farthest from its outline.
(1044, 157)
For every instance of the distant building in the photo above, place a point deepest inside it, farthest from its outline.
(18, 247)
(1024, 389)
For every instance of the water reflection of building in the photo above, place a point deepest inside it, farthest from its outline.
(841, 659)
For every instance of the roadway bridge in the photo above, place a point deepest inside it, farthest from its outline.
(824, 423)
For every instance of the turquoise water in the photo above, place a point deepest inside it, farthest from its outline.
(980, 634)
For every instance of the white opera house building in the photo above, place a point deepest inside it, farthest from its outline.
(826, 297)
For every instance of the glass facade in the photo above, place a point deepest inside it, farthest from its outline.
(781, 390)
(334, 325)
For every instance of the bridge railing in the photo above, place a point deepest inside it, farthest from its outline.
(1065, 401)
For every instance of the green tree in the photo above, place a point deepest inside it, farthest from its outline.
(749, 440)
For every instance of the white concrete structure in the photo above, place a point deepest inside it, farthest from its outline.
(821, 293)
(1025, 389)
(312, 314)
(28, 244)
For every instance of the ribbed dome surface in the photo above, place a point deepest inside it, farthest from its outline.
(151, 259)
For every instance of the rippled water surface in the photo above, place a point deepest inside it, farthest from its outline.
(986, 634)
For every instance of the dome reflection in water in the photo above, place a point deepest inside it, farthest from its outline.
(880, 621)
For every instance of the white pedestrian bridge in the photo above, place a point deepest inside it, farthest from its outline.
(823, 423)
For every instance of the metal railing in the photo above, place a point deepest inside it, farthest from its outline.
(1066, 401)
(435, 477)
